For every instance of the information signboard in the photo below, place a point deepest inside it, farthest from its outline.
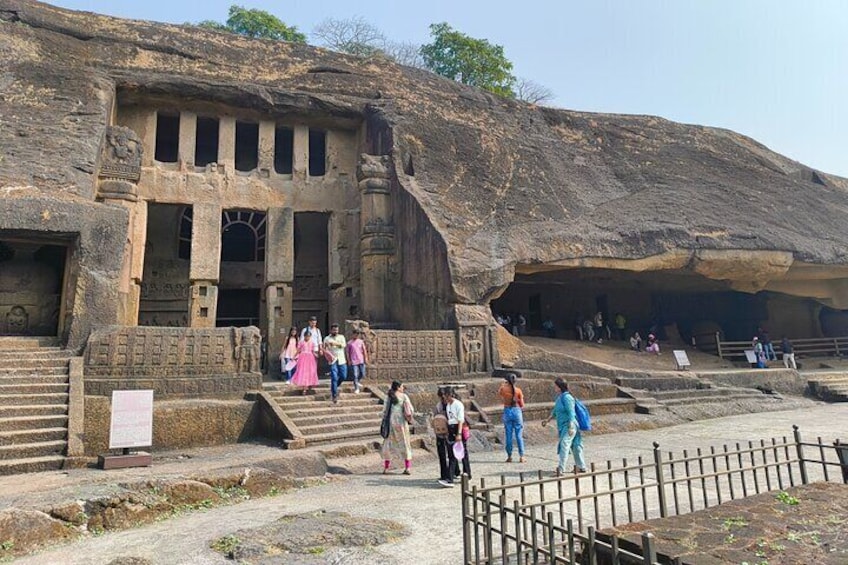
(751, 356)
(132, 419)
(681, 358)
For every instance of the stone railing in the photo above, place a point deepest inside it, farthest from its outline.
(176, 362)
(413, 355)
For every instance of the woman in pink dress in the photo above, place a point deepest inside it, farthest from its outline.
(306, 373)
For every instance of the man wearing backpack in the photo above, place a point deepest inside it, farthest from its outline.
(570, 438)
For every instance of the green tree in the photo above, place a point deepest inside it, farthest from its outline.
(256, 23)
(471, 61)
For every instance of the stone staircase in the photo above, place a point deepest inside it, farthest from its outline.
(34, 392)
(653, 393)
(830, 386)
(356, 417)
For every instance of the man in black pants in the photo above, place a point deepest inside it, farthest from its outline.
(447, 462)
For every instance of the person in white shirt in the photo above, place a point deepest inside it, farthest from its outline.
(455, 413)
(312, 328)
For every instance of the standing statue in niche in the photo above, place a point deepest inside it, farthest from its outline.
(472, 347)
(120, 156)
(247, 349)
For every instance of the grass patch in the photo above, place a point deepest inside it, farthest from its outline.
(226, 545)
(317, 550)
(7, 545)
(787, 498)
(730, 523)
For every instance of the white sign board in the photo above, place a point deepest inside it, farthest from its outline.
(750, 356)
(681, 358)
(132, 419)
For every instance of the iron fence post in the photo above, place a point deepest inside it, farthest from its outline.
(649, 553)
(658, 466)
(802, 466)
(718, 345)
(842, 453)
(466, 537)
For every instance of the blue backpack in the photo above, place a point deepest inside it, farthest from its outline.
(581, 414)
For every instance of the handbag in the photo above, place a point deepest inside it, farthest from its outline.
(386, 424)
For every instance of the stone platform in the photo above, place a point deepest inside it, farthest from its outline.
(807, 524)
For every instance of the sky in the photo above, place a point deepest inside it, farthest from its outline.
(775, 70)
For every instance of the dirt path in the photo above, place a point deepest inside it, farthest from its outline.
(429, 512)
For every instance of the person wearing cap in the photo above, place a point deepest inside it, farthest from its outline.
(513, 417)
(312, 328)
(653, 345)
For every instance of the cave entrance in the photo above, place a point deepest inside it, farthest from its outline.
(676, 305)
(311, 269)
(33, 278)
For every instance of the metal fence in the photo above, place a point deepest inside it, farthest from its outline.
(544, 518)
(812, 347)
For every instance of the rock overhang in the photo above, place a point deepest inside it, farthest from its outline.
(508, 186)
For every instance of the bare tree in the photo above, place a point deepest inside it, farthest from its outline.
(352, 35)
(532, 92)
(404, 53)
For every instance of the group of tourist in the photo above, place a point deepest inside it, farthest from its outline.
(764, 350)
(452, 429)
(515, 323)
(302, 351)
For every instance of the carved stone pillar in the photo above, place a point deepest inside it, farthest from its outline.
(478, 348)
(279, 275)
(118, 176)
(377, 239)
(205, 265)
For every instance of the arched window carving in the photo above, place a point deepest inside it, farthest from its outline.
(242, 236)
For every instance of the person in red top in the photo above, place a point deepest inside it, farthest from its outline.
(513, 417)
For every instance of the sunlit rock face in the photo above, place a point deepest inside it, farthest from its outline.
(482, 188)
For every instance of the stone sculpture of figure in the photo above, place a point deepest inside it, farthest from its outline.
(247, 349)
(121, 154)
(17, 321)
(472, 346)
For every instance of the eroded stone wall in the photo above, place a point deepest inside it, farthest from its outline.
(412, 355)
(173, 362)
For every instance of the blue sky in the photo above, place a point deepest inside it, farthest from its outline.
(774, 70)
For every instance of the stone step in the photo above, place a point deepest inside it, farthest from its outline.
(34, 379)
(718, 398)
(27, 342)
(17, 437)
(336, 417)
(33, 422)
(373, 424)
(36, 449)
(294, 390)
(293, 402)
(31, 465)
(32, 388)
(329, 409)
(33, 371)
(658, 383)
(40, 353)
(344, 435)
(33, 363)
(662, 395)
(32, 399)
(33, 410)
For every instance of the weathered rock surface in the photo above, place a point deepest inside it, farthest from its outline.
(23, 530)
(320, 537)
(506, 186)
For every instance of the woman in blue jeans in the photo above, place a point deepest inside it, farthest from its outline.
(513, 418)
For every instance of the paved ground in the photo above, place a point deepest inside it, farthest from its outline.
(429, 512)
